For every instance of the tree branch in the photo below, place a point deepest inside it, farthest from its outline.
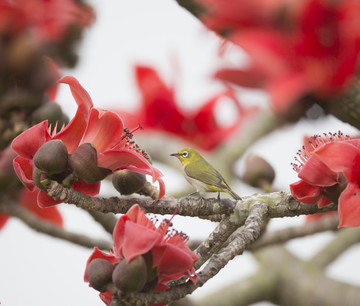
(284, 235)
(284, 279)
(107, 221)
(11, 208)
(280, 204)
(344, 239)
(264, 123)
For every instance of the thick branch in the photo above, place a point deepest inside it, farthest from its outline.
(264, 123)
(215, 241)
(107, 221)
(284, 235)
(184, 206)
(12, 209)
(280, 204)
(285, 280)
(344, 239)
(347, 106)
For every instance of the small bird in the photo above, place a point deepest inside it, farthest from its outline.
(200, 174)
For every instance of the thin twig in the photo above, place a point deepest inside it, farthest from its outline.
(284, 235)
(11, 208)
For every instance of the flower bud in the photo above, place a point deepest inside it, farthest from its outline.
(130, 277)
(333, 193)
(151, 272)
(128, 182)
(258, 172)
(52, 157)
(84, 163)
(99, 273)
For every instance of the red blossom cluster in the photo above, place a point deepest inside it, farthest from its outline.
(159, 111)
(136, 237)
(328, 167)
(296, 47)
(46, 21)
(82, 153)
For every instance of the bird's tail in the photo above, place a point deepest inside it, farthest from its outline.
(233, 194)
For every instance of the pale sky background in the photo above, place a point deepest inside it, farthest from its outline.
(38, 270)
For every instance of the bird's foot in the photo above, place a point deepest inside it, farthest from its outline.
(195, 195)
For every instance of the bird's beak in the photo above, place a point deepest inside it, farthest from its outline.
(175, 154)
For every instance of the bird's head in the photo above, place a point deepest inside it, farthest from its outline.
(187, 156)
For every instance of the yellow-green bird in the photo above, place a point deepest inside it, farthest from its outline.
(200, 174)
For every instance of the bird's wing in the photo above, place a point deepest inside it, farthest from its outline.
(210, 177)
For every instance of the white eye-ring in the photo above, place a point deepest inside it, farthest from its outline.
(185, 154)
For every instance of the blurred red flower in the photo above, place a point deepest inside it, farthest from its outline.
(160, 111)
(329, 172)
(50, 22)
(136, 235)
(103, 130)
(28, 200)
(297, 48)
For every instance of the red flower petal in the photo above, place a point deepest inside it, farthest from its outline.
(118, 235)
(28, 200)
(251, 78)
(106, 297)
(286, 90)
(88, 189)
(171, 261)
(305, 193)
(323, 202)
(28, 142)
(341, 157)
(24, 168)
(71, 135)
(44, 200)
(128, 159)
(104, 130)
(3, 220)
(80, 95)
(137, 215)
(349, 206)
(138, 240)
(74, 131)
(317, 173)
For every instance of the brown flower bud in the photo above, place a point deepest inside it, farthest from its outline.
(258, 172)
(99, 273)
(151, 272)
(128, 182)
(84, 163)
(52, 157)
(130, 277)
(333, 193)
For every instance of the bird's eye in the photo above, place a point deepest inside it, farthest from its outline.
(185, 154)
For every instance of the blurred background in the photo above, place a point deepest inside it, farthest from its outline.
(39, 270)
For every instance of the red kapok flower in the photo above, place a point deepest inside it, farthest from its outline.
(51, 21)
(229, 16)
(136, 235)
(102, 130)
(329, 172)
(159, 111)
(316, 52)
